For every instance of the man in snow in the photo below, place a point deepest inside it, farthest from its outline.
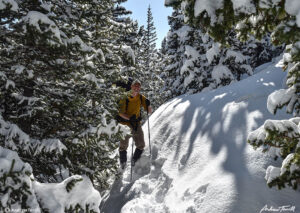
(130, 115)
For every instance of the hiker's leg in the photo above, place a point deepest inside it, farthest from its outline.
(122, 149)
(124, 143)
(138, 137)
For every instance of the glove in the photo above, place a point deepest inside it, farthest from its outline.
(147, 102)
(134, 122)
(133, 118)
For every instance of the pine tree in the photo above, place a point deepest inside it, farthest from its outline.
(127, 36)
(151, 54)
(57, 61)
(163, 49)
(150, 36)
(196, 63)
(20, 192)
(280, 18)
(148, 62)
(15, 189)
(173, 58)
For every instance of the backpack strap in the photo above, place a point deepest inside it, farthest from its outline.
(141, 98)
(127, 101)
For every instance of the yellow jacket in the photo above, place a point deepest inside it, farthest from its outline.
(133, 107)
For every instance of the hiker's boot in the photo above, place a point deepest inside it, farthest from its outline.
(137, 155)
(123, 158)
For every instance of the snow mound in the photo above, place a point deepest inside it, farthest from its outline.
(201, 161)
(74, 190)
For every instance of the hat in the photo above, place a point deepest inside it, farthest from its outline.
(136, 82)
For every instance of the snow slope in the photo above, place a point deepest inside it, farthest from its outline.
(201, 161)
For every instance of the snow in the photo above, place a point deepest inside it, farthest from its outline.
(18, 69)
(255, 19)
(30, 74)
(272, 173)
(49, 145)
(188, 65)
(285, 163)
(244, 6)
(293, 8)
(240, 6)
(201, 161)
(34, 18)
(13, 132)
(188, 79)
(280, 97)
(91, 77)
(210, 6)
(56, 196)
(221, 72)
(238, 57)
(10, 3)
(191, 52)
(212, 52)
(83, 46)
(268, 4)
(183, 32)
(248, 68)
(282, 126)
(46, 5)
(10, 83)
(129, 52)
(7, 156)
(10, 163)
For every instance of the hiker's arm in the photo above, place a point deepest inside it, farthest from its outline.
(149, 109)
(125, 116)
(146, 105)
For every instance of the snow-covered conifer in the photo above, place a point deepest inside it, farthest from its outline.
(195, 62)
(58, 59)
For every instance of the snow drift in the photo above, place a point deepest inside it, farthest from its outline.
(201, 161)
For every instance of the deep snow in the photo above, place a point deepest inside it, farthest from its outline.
(201, 161)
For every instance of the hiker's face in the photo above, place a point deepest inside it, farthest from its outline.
(136, 87)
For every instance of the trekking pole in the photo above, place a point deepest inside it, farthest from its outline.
(131, 161)
(149, 132)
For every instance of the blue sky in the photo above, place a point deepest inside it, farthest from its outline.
(159, 11)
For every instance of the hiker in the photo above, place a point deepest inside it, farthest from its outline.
(130, 115)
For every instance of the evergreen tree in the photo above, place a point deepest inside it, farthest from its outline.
(150, 35)
(148, 62)
(280, 18)
(58, 59)
(152, 56)
(195, 62)
(127, 36)
(173, 57)
(200, 63)
(20, 192)
(163, 49)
